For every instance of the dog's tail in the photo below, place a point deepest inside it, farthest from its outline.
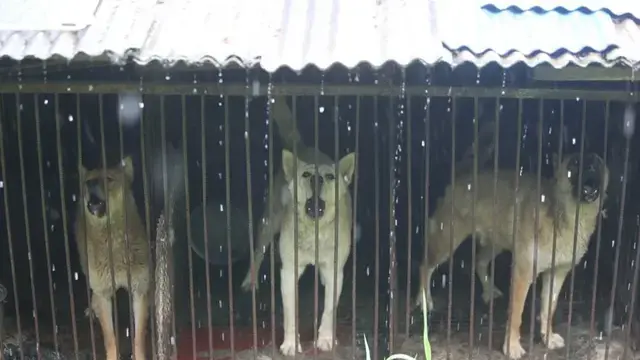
(287, 129)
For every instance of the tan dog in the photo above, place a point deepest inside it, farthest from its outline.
(101, 234)
(557, 203)
(328, 210)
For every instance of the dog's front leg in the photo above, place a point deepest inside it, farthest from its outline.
(101, 304)
(326, 335)
(288, 286)
(551, 339)
(522, 277)
(141, 313)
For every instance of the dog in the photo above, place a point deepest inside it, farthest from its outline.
(110, 219)
(317, 201)
(557, 203)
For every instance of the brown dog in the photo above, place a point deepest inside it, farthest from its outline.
(111, 233)
(556, 205)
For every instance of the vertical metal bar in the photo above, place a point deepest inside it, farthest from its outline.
(451, 238)
(376, 296)
(3, 165)
(63, 202)
(555, 227)
(127, 244)
(392, 238)
(353, 236)
(45, 225)
(632, 305)
(536, 221)
(515, 221)
(583, 134)
(294, 110)
(187, 208)
(335, 299)
(247, 143)
(82, 214)
(168, 214)
(147, 212)
(623, 198)
(592, 322)
(203, 147)
(272, 259)
(427, 186)
(103, 153)
(316, 130)
(26, 222)
(496, 152)
(409, 140)
(227, 171)
(473, 225)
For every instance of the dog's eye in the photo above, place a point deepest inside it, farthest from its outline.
(306, 174)
(330, 177)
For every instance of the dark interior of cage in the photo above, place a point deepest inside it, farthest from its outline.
(401, 174)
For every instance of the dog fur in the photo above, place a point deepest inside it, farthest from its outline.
(557, 209)
(101, 236)
(282, 215)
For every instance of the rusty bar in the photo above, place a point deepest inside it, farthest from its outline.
(632, 305)
(127, 244)
(474, 239)
(239, 89)
(45, 224)
(103, 153)
(82, 214)
(496, 157)
(507, 345)
(376, 296)
(536, 221)
(147, 211)
(451, 239)
(272, 259)
(23, 186)
(63, 203)
(205, 230)
(187, 208)
(616, 261)
(247, 143)
(555, 227)
(353, 236)
(227, 170)
(592, 322)
(392, 139)
(409, 140)
(583, 134)
(316, 227)
(3, 164)
(427, 185)
(336, 291)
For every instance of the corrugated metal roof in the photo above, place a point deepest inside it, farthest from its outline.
(542, 32)
(297, 33)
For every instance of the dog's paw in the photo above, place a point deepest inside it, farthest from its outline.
(515, 350)
(491, 293)
(326, 342)
(553, 341)
(418, 303)
(289, 347)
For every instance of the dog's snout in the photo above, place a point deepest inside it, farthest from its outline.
(314, 182)
(92, 183)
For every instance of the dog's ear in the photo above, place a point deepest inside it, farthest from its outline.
(127, 166)
(288, 160)
(347, 167)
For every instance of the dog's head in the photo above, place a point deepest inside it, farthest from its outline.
(102, 187)
(317, 191)
(595, 176)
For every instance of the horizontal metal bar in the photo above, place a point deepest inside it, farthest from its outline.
(241, 89)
